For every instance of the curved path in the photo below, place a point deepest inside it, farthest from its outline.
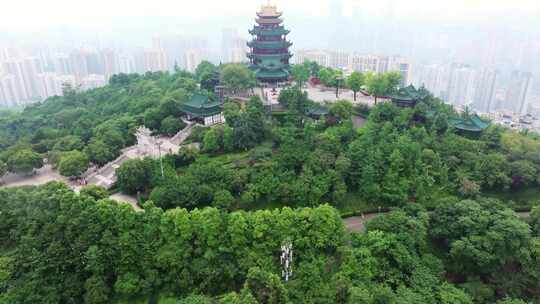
(357, 223)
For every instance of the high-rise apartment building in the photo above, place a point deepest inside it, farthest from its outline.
(485, 90)
(32, 67)
(62, 65)
(192, 59)
(50, 85)
(319, 56)
(338, 59)
(79, 64)
(154, 60)
(403, 67)
(518, 92)
(126, 64)
(461, 86)
(109, 60)
(9, 91)
(15, 68)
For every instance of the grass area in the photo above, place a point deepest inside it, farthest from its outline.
(229, 158)
(519, 200)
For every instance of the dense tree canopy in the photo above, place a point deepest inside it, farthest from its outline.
(97, 122)
(237, 77)
(73, 164)
(215, 214)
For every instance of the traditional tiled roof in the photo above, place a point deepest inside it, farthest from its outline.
(317, 109)
(275, 31)
(201, 105)
(271, 56)
(278, 74)
(269, 45)
(472, 123)
(409, 96)
(269, 20)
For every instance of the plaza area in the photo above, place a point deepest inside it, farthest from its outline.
(322, 94)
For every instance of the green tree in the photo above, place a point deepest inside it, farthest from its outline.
(134, 175)
(313, 67)
(393, 80)
(223, 199)
(265, 287)
(205, 67)
(300, 74)
(69, 143)
(24, 162)
(209, 81)
(294, 100)
(152, 119)
(394, 186)
(237, 77)
(99, 152)
(377, 85)
(211, 141)
(94, 191)
(342, 109)
(355, 82)
(171, 125)
(73, 164)
(483, 236)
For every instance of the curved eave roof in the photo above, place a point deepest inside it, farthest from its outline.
(269, 44)
(269, 20)
(269, 14)
(474, 124)
(271, 74)
(273, 56)
(269, 32)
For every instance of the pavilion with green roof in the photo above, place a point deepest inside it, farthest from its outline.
(317, 110)
(409, 96)
(203, 109)
(469, 124)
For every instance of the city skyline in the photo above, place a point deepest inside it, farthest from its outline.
(388, 28)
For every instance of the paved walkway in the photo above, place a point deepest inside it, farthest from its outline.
(358, 223)
(321, 94)
(126, 199)
(41, 176)
(147, 145)
(106, 176)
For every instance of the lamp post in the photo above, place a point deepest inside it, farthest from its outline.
(158, 144)
(339, 78)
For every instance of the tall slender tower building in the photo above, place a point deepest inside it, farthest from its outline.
(269, 50)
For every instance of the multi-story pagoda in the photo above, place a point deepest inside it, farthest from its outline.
(269, 55)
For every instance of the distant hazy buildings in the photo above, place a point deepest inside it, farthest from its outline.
(358, 62)
(233, 47)
(461, 86)
(518, 92)
(485, 90)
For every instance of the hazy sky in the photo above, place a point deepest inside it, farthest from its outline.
(36, 15)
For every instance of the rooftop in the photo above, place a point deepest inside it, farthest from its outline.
(201, 105)
(472, 123)
(269, 11)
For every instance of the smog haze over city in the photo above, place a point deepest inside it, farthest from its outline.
(475, 37)
(270, 151)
